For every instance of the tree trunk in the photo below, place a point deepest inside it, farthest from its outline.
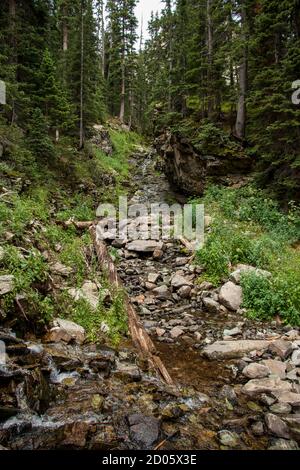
(12, 18)
(210, 59)
(123, 86)
(240, 126)
(81, 129)
(65, 34)
(123, 91)
(103, 40)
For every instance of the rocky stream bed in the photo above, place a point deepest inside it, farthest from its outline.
(236, 382)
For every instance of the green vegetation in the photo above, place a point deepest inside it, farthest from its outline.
(249, 228)
(124, 145)
(31, 222)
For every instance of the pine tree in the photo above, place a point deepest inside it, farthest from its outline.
(38, 140)
(121, 55)
(52, 99)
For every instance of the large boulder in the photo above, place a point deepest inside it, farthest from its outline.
(233, 349)
(144, 246)
(189, 169)
(231, 296)
(268, 385)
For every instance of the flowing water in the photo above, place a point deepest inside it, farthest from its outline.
(93, 397)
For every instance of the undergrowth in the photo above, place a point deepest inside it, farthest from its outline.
(249, 228)
(36, 199)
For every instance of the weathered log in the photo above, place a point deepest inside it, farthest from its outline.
(139, 336)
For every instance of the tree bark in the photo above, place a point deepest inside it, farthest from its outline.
(81, 126)
(65, 31)
(12, 18)
(210, 105)
(240, 126)
(123, 91)
(140, 337)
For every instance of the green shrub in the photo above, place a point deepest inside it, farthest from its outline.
(266, 298)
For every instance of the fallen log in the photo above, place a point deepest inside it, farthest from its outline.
(140, 337)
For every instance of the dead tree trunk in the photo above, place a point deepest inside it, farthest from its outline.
(139, 336)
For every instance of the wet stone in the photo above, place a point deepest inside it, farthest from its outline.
(283, 444)
(143, 429)
(277, 426)
(228, 439)
(281, 408)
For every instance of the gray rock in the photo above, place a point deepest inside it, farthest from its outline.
(258, 429)
(181, 261)
(256, 371)
(162, 292)
(60, 269)
(275, 367)
(153, 277)
(233, 349)
(283, 444)
(185, 292)
(231, 296)
(178, 281)
(144, 429)
(6, 284)
(234, 332)
(281, 348)
(160, 332)
(296, 358)
(244, 268)
(288, 397)
(293, 422)
(267, 385)
(2, 253)
(65, 330)
(88, 292)
(211, 305)
(144, 246)
(228, 438)
(267, 399)
(127, 372)
(281, 408)
(205, 285)
(176, 332)
(229, 393)
(277, 426)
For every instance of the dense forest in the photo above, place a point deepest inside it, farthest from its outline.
(126, 342)
(211, 67)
